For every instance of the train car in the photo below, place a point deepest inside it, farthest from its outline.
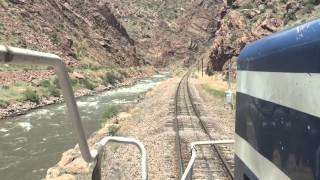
(278, 106)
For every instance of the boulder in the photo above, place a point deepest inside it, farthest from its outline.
(78, 166)
(63, 177)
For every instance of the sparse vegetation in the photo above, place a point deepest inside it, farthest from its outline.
(234, 37)
(1, 26)
(3, 2)
(112, 77)
(86, 82)
(113, 129)
(31, 95)
(4, 104)
(290, 16)
(54, 91)
(309, 8)
(45, 83)
(55, 38)
(112, 111)
(249, 5)
(80, 49)
(314, 2)
(50, 88)
(23, 91)
(5, 87)
(123, 73)
(56, 82)
(214, 92)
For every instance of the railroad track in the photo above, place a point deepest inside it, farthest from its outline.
(189, 127)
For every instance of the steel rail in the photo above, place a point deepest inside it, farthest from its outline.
(194, 124)
(204, 127)
(187, 175)
(178, 139)
(185, 79)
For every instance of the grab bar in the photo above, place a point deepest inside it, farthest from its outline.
(12, 55)
(187, 175)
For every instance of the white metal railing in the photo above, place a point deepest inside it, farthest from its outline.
(187, 175)
(12, 55)
(144, 162)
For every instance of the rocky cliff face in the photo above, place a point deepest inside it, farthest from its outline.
(86, 34)
(82, 32)
(168, 31)
(116, 32)
(103, 33)
(246, 20)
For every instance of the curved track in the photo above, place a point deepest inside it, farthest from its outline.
(189, 127)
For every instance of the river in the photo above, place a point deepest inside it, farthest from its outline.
(31, 143)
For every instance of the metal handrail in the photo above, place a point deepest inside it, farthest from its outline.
(144, 162)
(12, 55)
(187, 175)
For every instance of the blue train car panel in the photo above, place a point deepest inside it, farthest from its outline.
(278, 106)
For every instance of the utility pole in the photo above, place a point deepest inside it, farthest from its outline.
(202, 66)
(228, 93)
(229, 76)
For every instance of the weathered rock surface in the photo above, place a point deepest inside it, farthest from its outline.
(246, 20)
(83, 33)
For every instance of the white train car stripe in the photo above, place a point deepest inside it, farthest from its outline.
(299, 91)
(259, 165)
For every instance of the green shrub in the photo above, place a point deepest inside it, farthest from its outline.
(284, 1)
(30, 95)
(55, 38)
(4, 104)
(53, 91)
(2, 28)
(5, 87)
(248, 5)
(112, 78)
(290, 16)
(50, 88)
(87, 83)
(49, 68)
(74, 82)
(271, 6)
(308, 8)
(313, 2)
(56, 83)
(124, 73)
(234, 37)
(112, 111)
(45, 83)
(69, 70)
(113, 129)
(80, 49)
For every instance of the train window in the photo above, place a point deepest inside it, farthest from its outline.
(245, 177)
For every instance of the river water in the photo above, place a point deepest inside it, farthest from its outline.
(31, 143)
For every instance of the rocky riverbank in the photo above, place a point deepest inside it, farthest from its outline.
(19, 108)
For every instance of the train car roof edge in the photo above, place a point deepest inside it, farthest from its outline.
(283, 40)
